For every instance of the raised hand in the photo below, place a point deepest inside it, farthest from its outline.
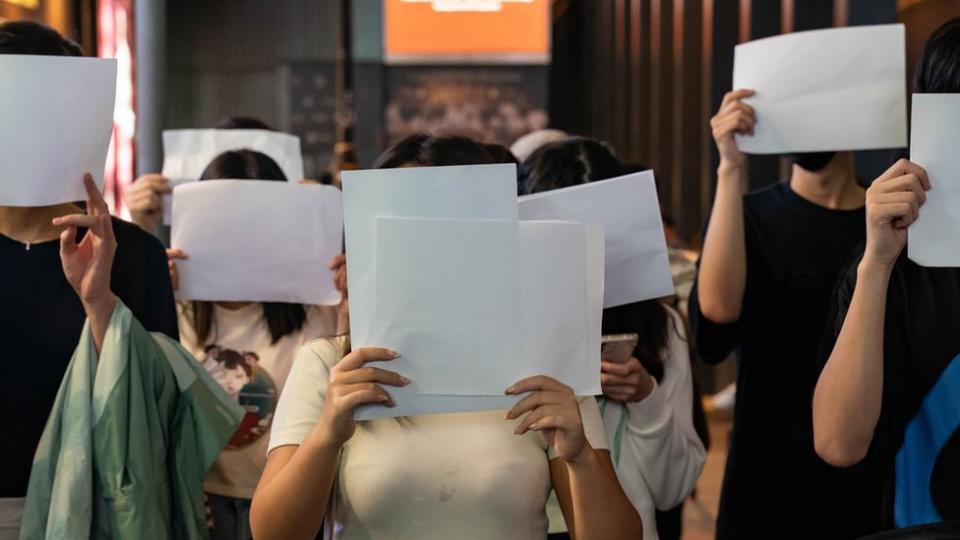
(628, 382)
(552, 409)
(734, 116)
(144, 198)
(352, 384)
(893, 204)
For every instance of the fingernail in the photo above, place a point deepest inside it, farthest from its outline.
(393, 353)
(511, 389)
(516, 431)
(56, 221)
(404, 379)
(384, 398)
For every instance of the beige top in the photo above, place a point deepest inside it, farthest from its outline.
(240, 356)
(446, 476)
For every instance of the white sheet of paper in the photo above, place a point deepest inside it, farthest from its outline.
(823, 90)
(410, 403)
(187, 152)
(460, 192)
(934, 238)
(637, 263)
(259, 241)
(48, 141)
(497, 302)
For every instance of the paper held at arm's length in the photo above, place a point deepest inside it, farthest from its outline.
(559, 334)
(187, 152)
(258, 241)
(47, 141)
(637, 264)
(825, 90)
(934, 239)
(460, 192)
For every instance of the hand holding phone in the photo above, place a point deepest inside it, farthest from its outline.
(618, 348)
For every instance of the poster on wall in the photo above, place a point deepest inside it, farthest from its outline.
(494, 104)
(466, 31)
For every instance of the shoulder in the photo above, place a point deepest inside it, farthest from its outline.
(323, 353)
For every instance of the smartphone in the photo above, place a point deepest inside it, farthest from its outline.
(618, 347)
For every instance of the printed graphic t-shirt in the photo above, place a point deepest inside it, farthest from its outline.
(240, 356)
(917, 440)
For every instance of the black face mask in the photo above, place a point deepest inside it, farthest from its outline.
(812, 161)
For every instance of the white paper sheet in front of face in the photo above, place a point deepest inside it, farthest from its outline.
(627, 208)
(825, 90)
(187, 152)
(460, 192)
(258, 241)
(411, 403)
(57, 118)
(934, 238)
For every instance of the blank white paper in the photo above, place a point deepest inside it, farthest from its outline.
(824, 90)
(460, 192)
(257, 241)
(566, 367)
(187, 152)
(637, 263)
(934, 238)
(56, 119)
(475, 306)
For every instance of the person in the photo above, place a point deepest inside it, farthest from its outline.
(769, 263)
(647, 403)
(431, 476)
(888, 390)
(144, 197)
(42, 317)
(254, 345)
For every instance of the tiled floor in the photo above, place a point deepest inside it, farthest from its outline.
(700, 513)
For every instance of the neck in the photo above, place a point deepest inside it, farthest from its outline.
(33, 224)
(834, 187)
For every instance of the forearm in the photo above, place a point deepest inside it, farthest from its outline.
(99, 315)
(601, 510)
(849, 394)
(723, 265)
(292, 503)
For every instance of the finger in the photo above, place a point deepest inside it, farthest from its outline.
(534, 400)
(337, 262)
(68, 242)
(615, 380)
(356, 399)
(107, 246)
(538, 382)
(908, 182)
(175, 253)
(76, 220)
(529, 419)
(371, 374)
(736, 95)
(174, 275)
(369, 388)
(160, 185)
(561, 422)
(901, 168)
(94, 197)
(615, 368)
(618, 394)
(890, 212)
(361, 356)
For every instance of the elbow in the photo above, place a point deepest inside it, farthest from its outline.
(718, 309)
(837, 451)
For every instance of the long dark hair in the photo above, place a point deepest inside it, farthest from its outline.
(580, 160)
(938, 69)
(282, 318)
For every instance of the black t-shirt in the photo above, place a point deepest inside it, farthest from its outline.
(917, 441)
(775, 486)
(41, 318)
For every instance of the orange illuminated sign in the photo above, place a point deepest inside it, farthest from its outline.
(432, 31)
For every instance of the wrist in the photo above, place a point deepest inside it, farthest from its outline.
(584, 459)
(102, 306)
(729, 167)
(870, 266)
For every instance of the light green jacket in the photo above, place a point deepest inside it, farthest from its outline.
(128, 441)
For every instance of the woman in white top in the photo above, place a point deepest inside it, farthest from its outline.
(647, 406)
(484, 475)
(248, 347)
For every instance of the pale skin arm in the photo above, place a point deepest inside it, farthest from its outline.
(723, 265)
(297, 480)
(848, 397)
(87, 264)
(593, 503)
